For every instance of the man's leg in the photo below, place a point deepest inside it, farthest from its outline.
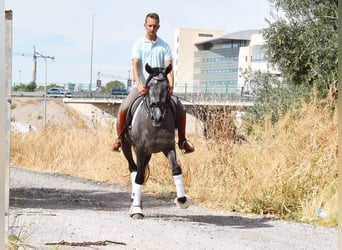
(183, 144)
(120, 126)
(121, 120)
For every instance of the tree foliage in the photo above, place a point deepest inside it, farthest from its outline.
(273, 99)
(26, 87)
(110, 85)
(303, 42)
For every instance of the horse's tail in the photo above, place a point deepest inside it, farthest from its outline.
(147, 173)
(173, 108)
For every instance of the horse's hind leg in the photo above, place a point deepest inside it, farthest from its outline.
(127, 151)
(182, 200)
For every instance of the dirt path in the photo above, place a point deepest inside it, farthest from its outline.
(49, 208)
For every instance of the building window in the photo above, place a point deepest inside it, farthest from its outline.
(219, 71)
(220, 59)
(207, 46)
(205, 35)
(258, 53)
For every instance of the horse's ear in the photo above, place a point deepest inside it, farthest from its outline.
(168, 69)
(148, 68)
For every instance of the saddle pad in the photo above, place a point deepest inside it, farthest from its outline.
(133, 108)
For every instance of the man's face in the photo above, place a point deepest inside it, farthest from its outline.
(151, 26)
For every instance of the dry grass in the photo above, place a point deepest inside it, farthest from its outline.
(287, 170)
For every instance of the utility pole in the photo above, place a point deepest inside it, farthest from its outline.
(91, 53)
(5, 112)
(3, 145)
(37, 54)
(34, 64)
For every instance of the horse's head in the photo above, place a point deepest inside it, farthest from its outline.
(157, 94)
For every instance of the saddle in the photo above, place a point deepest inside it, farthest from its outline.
(135, 104)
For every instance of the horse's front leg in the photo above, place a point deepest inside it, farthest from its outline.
(182, 200)
(137, 179)
(127, 150)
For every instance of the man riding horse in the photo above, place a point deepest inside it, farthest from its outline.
(152, 50)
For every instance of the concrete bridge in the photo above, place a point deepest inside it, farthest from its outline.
(200, 113)
(197, 108)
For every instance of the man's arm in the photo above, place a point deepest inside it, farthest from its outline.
(170, 77)
(140, 85)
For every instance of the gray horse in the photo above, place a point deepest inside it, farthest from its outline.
(151, 130)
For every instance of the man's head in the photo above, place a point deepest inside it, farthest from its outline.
(151, 25)
(153, 16)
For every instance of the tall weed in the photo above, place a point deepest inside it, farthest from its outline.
(286, 169)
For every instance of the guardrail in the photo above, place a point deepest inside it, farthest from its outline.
(191, 97)
(209, 97)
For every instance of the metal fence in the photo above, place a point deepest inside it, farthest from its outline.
(188, 96)
(212, 92)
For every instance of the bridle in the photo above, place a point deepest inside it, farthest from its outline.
(156, 109)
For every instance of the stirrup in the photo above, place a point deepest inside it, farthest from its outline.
(182, 147)
(116, 142)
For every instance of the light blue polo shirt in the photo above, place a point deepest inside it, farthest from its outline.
(154, 53)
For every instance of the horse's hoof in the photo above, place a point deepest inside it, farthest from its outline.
(184, 204)
(136, 213)
(137, 216)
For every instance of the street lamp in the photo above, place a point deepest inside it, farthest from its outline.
(37, 54)
(19, 71)
(91, 53)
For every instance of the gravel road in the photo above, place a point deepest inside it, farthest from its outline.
(46, 209)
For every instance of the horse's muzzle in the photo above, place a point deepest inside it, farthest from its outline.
(156, 116)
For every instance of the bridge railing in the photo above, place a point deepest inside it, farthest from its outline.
(212, 92)
(216, 97)
(189, 96)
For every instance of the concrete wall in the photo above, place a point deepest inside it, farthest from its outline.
(104, 111)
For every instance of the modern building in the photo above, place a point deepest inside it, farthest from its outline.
(184, 55)
(216, 62)
(252, 59)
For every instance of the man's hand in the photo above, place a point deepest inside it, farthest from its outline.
(142, 89)
(170, 90)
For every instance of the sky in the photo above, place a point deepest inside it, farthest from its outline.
(63, 29)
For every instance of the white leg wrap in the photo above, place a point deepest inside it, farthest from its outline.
(133, 175)
(178, 180)
(136, 194)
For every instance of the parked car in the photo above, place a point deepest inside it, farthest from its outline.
(120, 92)
(58, 92)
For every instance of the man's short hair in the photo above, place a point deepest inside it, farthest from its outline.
(152, 15)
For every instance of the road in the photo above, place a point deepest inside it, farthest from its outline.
(46, 209)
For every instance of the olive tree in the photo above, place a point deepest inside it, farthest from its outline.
(302, 42)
